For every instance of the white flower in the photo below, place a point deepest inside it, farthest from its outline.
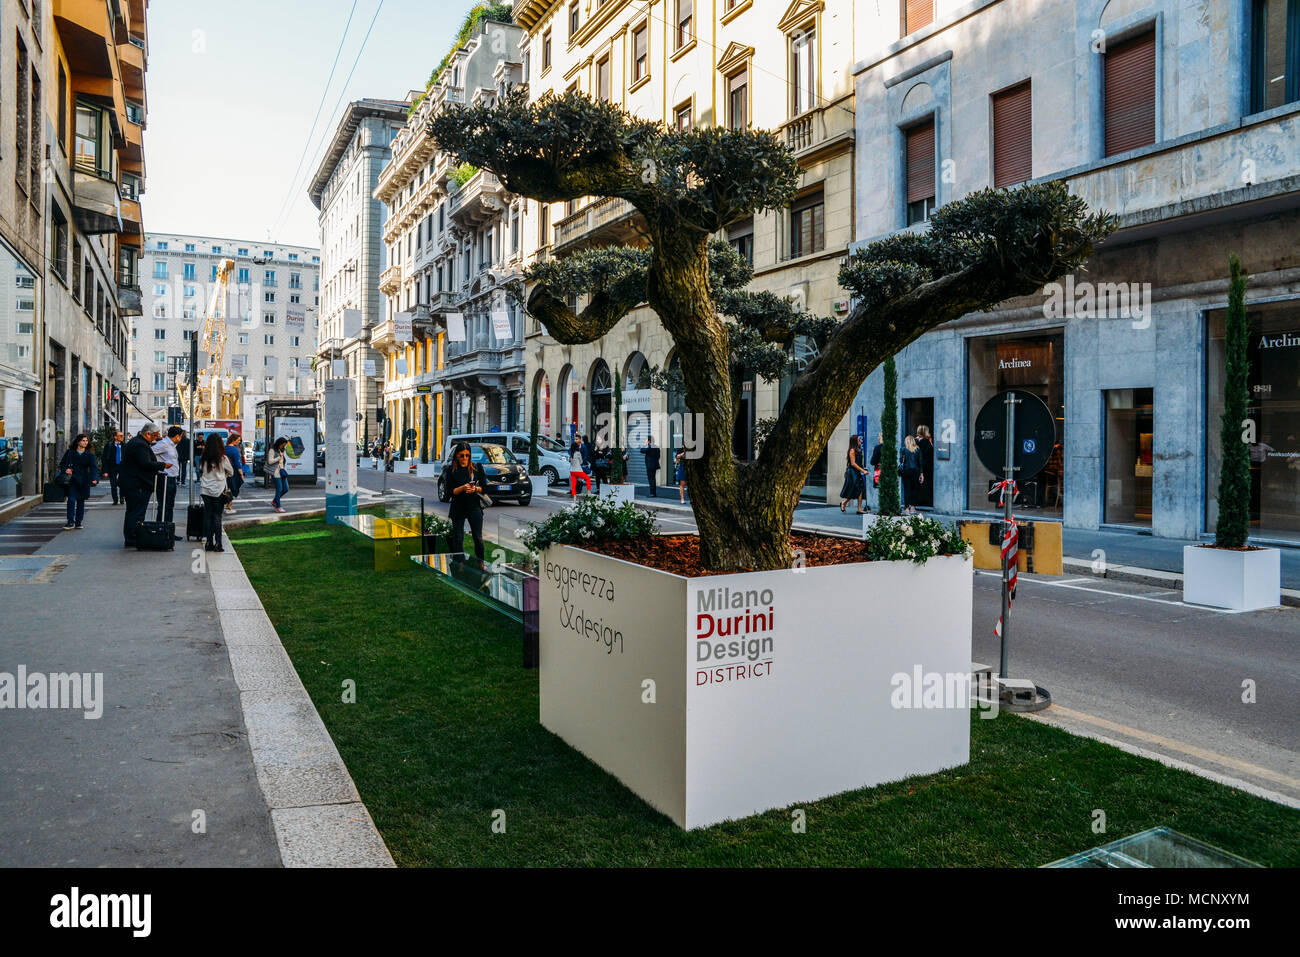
(907, 530)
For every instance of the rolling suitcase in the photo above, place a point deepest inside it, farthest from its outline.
(156, 536)
(194, 521)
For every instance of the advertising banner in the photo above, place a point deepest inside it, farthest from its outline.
(300, 453)
(338, 368)
(351, 323)
(455, 327)
(368, 368)
(340, 430)
(295, 319)
(402, 328)
(501, 325)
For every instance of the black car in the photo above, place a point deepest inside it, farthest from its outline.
(507, 478)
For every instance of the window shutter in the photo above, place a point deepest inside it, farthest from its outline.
(1131, 94)
(1013, 136)
(917, 14)
(920, 162)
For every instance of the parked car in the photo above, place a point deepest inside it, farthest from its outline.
(507, 477)
(552, 456)
(11, 456)
(259, 457)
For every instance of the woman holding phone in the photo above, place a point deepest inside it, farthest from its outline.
(467, 482)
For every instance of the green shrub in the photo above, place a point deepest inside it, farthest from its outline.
(914, 538)
(435, 524)
(591, 519)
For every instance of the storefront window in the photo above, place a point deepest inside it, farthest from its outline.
(1035, 363)
(1273, 354)
(18, 382)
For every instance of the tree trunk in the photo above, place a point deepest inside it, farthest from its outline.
(743, 523)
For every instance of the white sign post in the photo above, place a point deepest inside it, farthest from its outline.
(340, 449)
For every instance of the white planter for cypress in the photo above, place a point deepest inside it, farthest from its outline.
(540, 485)
(806, 700)
(1227, 578)
(427, 469)
(618, 493)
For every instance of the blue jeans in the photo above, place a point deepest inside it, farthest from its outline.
(281, 488)
(76, 507)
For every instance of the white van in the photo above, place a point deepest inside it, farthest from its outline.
(552, 457)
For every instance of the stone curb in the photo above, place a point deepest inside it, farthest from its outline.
(316, 812)
(1149, 576)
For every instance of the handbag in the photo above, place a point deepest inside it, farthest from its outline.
(875, 478)
(63, 479)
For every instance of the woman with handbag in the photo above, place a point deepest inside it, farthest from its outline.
(214, 472)
(77, 471)
(875, 465)
(855, 476)
(909, 468)
(467, 482)
(274, 467)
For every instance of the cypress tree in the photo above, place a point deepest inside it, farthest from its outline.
(532, 438)
(616, 463)
(890, 503)
(1234, 468)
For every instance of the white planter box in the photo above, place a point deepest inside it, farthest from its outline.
(427, 469)
(805, 708)
(1224, 578)
(618, 493)
(540, 485)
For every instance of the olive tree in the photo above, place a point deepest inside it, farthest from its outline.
(687, 186)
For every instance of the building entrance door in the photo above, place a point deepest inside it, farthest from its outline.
(918, 413)
(1130, 426)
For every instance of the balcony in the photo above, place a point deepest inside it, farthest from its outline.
(481, 198)
(383, 334)
(86, 31)
(604, 222)
(819, 133)
(443, 302)
(390, 280)
(96, 205)
(132, 222)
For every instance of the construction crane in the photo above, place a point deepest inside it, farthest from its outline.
(219, 394)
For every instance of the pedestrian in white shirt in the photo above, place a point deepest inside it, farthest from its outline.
(165, 449)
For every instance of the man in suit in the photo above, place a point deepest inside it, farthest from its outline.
(139, 468)
(111, 462)
(651, 453)
(184, 454)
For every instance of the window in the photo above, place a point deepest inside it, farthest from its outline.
(216, 250)
(807, 225)
(682, 116)
(162, 245)
(158, 401)
(76, 269)
(213, 277)
(189, 292)
(160, 290)
(59, 241)
(295, 280)
(268, 297)
(738, 100)
(34, 151)
(21, 107)
(189, 271)
(1275, 54)
(920, 172)
(573, 19)
(160, 334)
(159, 381)
(741, 237)
(1012, 136)
(1130, 93)
(685, 27)
(268, 340)
(189, 335)
(270, 383)
(241, 251)
(543, 227)
(243, 338)
(916, 14)
(189, 247)
(803, 72)
(63, 109)
(160, 357)
(294, 297)
(640, 53)
(266, 254)
(160, 269)
(131, 186)
(92, 148)
(546, 50)
(268, 277)
(159, 308)
(295, 341)
(268, 318)
(293, 257)
(602, 80)
(242, 277)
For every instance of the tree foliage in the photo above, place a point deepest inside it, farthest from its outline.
(888, 502)
(1233, 526)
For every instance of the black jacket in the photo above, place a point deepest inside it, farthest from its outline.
(84, 472)
(909, 463)
(139, 466)
(106, 463)
(651, 454)
(875, 456)
(462, 502)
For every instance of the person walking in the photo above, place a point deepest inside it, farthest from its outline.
(467, 482)
(184, 454)
(909, 469)
(275, 469)
(855, 476)
(601, 460)
(167, 450)
(926, 445)
(215, 471)
(651, 453)
(576, 471)
(111, 463)
(78, 465)
(235, 453)
(680, 475)
(139, 469)
(875, 465)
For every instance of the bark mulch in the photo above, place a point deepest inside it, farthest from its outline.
(680, 554)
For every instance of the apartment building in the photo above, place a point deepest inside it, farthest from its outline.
(272, 306)
(452, 340)
(780, 66)
(1184, 121)
(352, 249)
(73, 109)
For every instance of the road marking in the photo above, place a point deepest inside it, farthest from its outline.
(1161, 741)
(1120, 594)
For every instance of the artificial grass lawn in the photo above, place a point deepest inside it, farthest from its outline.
(444, 732)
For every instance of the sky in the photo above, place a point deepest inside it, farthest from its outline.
(233, 88)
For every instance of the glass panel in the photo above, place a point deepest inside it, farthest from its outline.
(1130, 417)
(18, 383)
(1273, 356)
(1158, 847)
